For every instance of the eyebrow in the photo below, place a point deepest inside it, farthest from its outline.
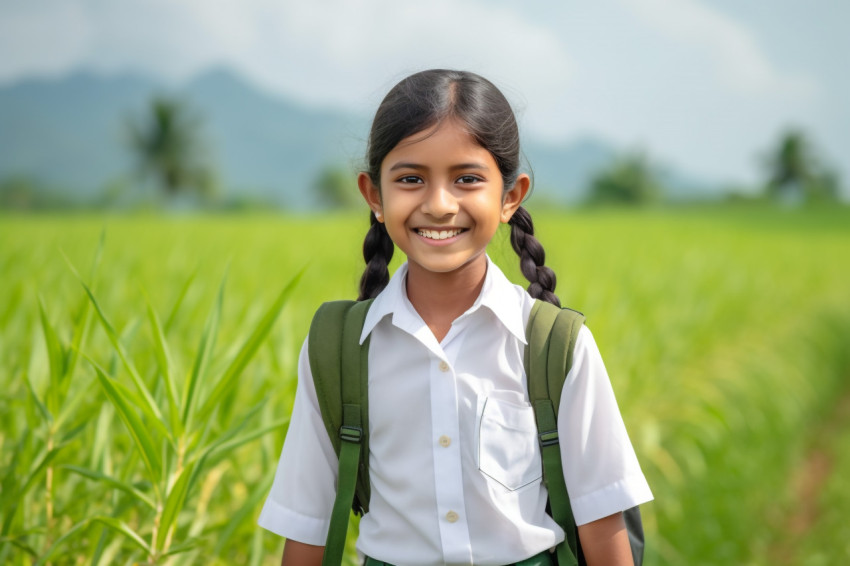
(420, 167)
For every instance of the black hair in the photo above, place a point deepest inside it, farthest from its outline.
(421, 101)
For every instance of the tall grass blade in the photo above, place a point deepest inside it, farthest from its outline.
(81, 326)
(201, 456)
(70, 405)
(170, 320)
(116, 483)
(202, 355)
(67, 535)
(181, 548)
(14, 499)
(227, 446)
(119, 348)
(137, 429)
(8, 491)
(247, 509)
(98, 253)
(42, 409)
(173, 505)
(55, 356)
(18, 543)
(164, 362)
(132, 397)
(123, 528)
(228, 379)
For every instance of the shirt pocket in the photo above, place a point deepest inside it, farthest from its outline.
(508, 452)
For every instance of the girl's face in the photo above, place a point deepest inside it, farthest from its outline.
(441, 198)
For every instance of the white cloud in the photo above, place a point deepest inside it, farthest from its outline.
(732, 51)
(31, 44)
(333, 52)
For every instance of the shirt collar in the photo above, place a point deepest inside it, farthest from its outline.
(500, 296)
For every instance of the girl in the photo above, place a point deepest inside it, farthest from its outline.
(454, 461)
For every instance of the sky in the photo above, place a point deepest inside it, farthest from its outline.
(704, 86)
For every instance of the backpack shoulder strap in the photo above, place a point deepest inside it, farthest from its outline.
(339, 364)
(551, 335)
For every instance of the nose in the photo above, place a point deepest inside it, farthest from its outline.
(440, 201)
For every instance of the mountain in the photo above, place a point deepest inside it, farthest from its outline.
(71, 133)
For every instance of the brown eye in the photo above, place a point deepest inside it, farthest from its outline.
(408, 179)
(467, 179)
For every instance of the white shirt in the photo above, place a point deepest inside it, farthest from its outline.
(454, 460)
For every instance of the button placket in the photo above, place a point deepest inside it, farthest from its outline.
(448, 471)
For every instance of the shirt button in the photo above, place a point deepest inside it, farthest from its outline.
(445, 441)
(444, 366)
(451, 517)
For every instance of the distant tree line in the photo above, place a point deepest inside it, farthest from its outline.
(794, 174)
(170, 149)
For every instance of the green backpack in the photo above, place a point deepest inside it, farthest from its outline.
(335, 351)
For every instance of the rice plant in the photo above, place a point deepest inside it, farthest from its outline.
(145, 399)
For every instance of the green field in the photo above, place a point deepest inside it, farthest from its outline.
(141, 423)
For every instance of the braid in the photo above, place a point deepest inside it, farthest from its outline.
(532, 257)
(377, 251)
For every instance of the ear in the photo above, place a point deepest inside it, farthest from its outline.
(371, 193)
(513, 198)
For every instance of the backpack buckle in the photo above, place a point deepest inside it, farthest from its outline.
(549, 438)
(351, 433)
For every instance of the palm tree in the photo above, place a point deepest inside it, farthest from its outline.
(170, 147)
(795, 173)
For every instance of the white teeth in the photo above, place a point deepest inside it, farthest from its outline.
(439, 234)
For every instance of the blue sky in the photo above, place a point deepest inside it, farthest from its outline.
(704, 86)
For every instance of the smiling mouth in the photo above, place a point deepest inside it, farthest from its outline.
(439, 234)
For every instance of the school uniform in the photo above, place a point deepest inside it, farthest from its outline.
(454, 459)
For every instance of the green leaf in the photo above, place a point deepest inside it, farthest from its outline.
(37, 469)
(179, 300)
(81, 326)
(17, 541)
(173, 505)
(10, 505)
(228, 380)
(164, 362)
(230, 444)
(201, 455)
(185, 547)
(67, 535)
(202, 356)
(70, 404)
(45, 414)
(147, 398)
(140, 434)
(247, 509)
(8, 492)
(116, 483)
(132, 397)
(98, 253)
(68, 435)
(123, 528)
(56, 357)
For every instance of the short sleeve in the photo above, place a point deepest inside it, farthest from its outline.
(302, 495)
(601, 470)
